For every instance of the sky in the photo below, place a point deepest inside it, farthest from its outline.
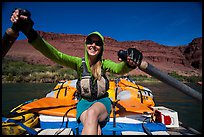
(166, 23)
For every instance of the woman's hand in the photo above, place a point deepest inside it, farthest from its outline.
(131, 62)
(21, 20)
(132, 57)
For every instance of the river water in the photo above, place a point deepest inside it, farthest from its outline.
(189, 110)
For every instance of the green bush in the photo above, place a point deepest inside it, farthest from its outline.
(20, 71)
(192, 79)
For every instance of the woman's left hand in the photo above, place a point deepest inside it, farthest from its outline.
(134, 57)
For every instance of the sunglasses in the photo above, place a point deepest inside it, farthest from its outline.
(98, 43)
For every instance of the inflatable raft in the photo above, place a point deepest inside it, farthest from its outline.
(134, 112)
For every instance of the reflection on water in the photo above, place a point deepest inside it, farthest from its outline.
(189, 110)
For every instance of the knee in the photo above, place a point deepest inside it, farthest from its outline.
(91, 115)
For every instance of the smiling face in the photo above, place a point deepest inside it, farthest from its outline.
(94, 45)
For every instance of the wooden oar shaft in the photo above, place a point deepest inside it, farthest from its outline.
(153, 71)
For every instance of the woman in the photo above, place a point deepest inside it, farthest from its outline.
(94, 106)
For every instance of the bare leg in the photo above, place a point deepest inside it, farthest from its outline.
(99, 129)
(90, 118)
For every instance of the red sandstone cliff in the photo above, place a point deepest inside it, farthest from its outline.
(185, 60)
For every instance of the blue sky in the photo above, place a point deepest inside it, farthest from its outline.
(167, 23)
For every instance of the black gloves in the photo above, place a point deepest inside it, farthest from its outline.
(21, 25)
(131, 55)
(135, 55)
(25, 25)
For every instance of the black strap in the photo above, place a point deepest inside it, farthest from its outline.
(140, 91)
(85, 70)
(146, 130)
(60, 89)
(58, 131)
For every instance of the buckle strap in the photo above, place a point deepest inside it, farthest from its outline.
(85, 70)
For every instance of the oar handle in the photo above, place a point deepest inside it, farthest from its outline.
(8, 39)
(12, 33)
(153, 71)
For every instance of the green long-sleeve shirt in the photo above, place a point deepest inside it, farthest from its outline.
(75, 62)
